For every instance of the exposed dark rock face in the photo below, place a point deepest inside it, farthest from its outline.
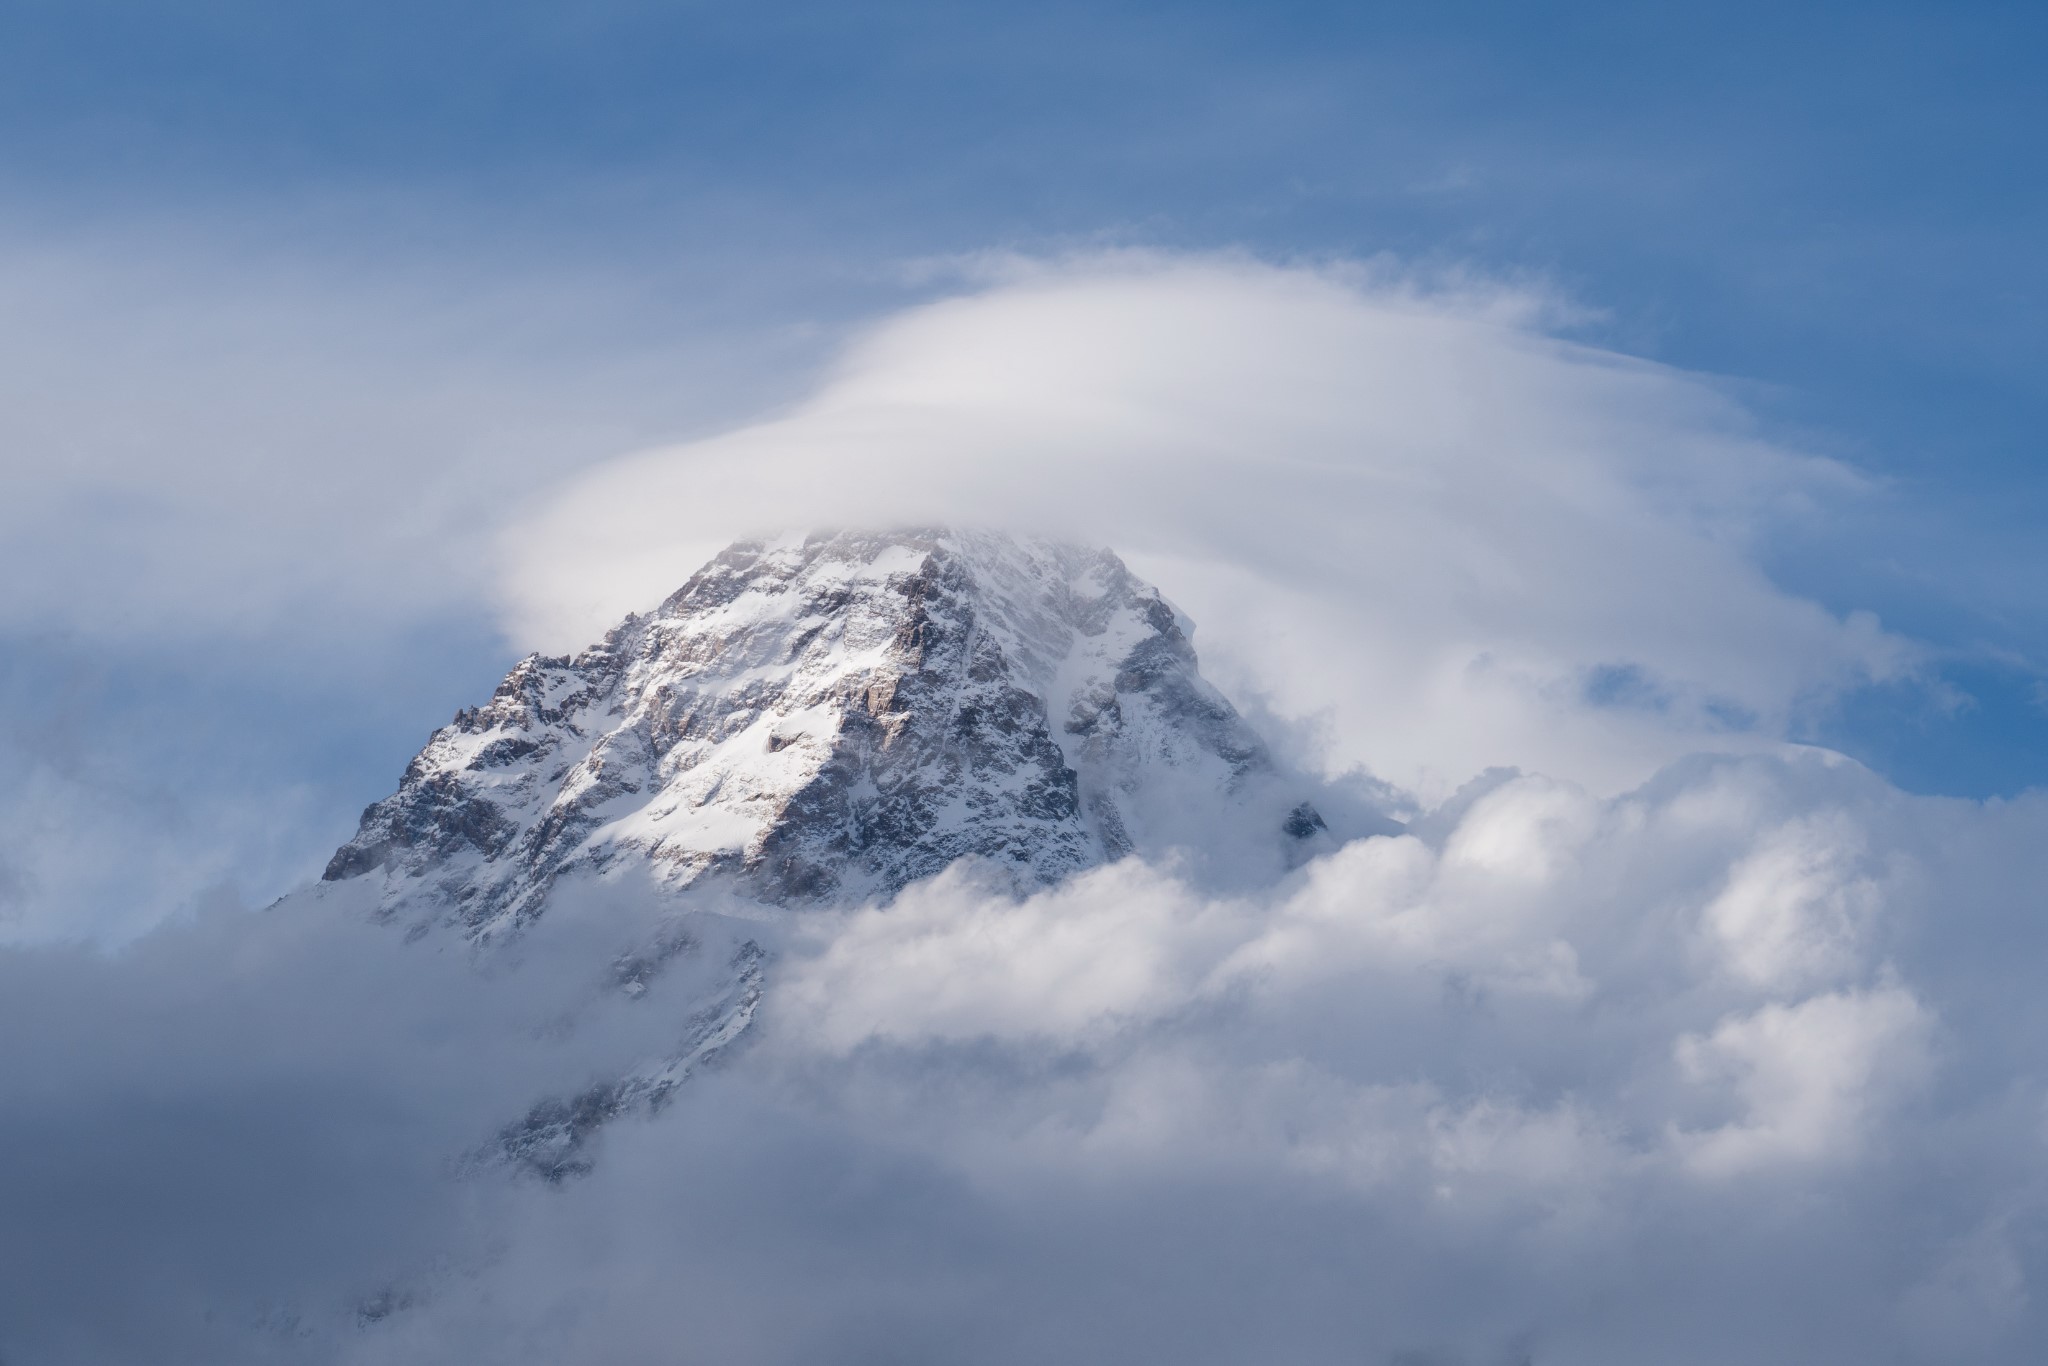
(554, 1140)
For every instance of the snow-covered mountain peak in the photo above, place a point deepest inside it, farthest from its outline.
(833, 716)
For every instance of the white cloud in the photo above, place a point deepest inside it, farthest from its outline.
(1406, 515)
(1546, 934)
(1794, 911)
(1808, 1075)
(207, 435)
(1503, 1088)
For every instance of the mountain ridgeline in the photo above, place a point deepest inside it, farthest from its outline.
(828, 718)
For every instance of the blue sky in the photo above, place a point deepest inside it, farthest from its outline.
(670, 211)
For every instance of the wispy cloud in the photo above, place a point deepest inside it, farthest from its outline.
(1401, 504)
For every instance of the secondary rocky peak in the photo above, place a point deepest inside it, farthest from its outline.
(833, 716)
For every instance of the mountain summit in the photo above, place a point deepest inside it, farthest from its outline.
(831, 717)
(813, 719)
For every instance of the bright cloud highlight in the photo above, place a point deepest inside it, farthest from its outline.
(1408, 513)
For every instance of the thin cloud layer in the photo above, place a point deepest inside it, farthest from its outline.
(208, 435)
(1408, 516)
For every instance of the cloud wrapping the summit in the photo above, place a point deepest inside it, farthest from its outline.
(1409, 516)
(1422, 536)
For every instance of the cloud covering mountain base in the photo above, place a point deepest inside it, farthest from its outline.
(1735, 1067)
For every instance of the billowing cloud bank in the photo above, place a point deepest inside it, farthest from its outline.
(1739, 1067)
(1408, 513)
